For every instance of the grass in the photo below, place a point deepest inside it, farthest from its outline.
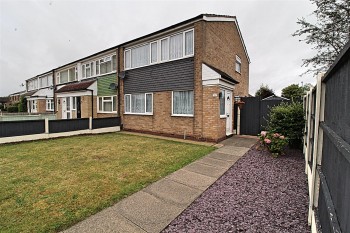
(49, 185)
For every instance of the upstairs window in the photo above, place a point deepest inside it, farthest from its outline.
(165, 49)
(154, 52)
(140, 56)
(238, 64)
(189, 40)
(106, 65)
(87, 70)
(65, 76)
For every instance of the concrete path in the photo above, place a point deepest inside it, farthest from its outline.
(154, 207)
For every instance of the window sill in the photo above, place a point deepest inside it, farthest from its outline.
(182, 115)
(139, 114)
(108, 112)
(238, 72)
(222, 116)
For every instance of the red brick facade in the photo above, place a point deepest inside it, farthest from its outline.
(215, 43)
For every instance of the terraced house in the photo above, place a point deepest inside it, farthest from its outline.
(39, 93)
(88, 87)
(181, 80)
(178, 81)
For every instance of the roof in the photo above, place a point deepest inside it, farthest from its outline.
(4, 99)
(76, 86)
(29, 93)
(223, 74)
(274, 97)
(191, 20)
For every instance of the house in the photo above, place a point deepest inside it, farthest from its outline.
(4, 102)
(87, 87)
(181, 80)
(15, 98)
(39, 94)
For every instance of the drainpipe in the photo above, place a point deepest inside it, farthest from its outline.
(118, 71)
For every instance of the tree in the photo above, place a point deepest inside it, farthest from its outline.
(293, 92)
(22, 106)
(264, 91)
(328, 35)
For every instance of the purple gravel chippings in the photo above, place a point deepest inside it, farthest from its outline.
(258, 193)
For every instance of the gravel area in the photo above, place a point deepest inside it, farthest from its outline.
(258, 193)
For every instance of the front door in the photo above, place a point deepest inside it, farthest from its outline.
(66, 111)
(228, 108)
(78, 107)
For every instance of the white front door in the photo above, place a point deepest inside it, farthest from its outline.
(228, 109)
(66, 108)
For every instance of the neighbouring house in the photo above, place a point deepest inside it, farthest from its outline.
(40, 94)
(181, 80)
(4, 101)
(88, 87)
(15, 98)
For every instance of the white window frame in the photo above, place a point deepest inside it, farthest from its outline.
(104, 59)
(224, 115)
(159, 50)
(134, 113)
(34, 106)
(98, 104)
(238, 62)
(172, 104)
(50, 105)
(58, 76)
(150, 52)
(74, 103)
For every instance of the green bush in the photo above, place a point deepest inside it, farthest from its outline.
(288, 119)
(22, 106)
(12, 108)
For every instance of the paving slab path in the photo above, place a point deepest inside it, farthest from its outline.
(154, 207)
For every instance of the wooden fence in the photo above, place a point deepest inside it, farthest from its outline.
(327, 149)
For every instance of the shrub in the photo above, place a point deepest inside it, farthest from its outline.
(288, 119)
(12, 108)
(274, 142)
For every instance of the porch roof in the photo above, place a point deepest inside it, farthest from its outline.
(222, 73)
(76, 86)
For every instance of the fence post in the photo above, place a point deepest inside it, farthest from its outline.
(317, 148)
(90, 123)
(308, 115)
(46, 125)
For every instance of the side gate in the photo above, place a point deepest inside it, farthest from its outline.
(255, 114)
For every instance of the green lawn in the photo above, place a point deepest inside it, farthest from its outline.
(49, 185)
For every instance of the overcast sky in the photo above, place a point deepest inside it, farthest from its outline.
(37, 36)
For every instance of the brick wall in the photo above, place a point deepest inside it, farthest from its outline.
(161, 121)
(41, 106)
(222, 44)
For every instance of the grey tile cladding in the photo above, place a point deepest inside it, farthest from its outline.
(174, 75)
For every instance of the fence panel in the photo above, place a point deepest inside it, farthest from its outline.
(66, 125)
(18, 128)
(327, 147)
(105, 122)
